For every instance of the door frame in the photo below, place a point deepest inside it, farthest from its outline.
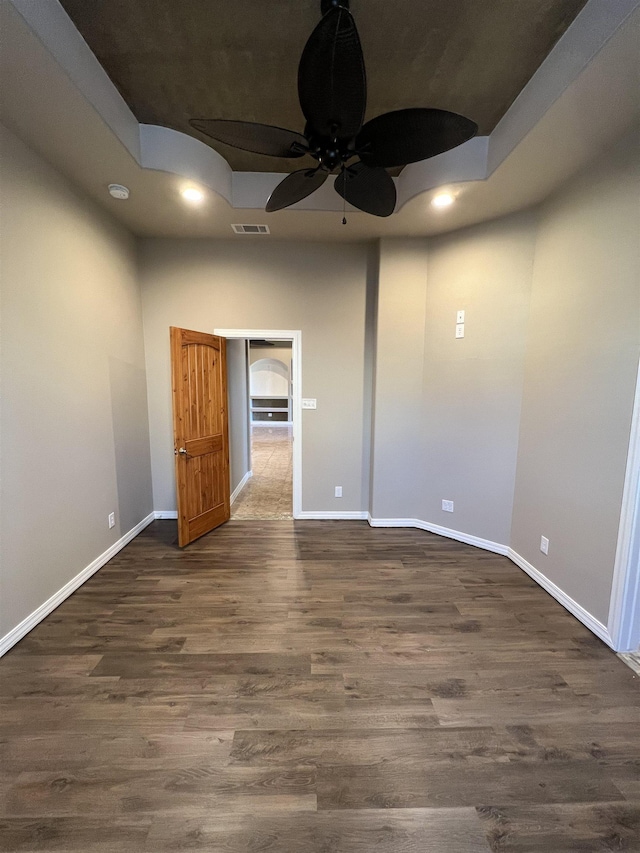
(624, 612)
(295, 336)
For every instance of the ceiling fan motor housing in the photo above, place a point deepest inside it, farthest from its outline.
(330, 153)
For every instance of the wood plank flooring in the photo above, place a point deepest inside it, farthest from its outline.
(315, 687)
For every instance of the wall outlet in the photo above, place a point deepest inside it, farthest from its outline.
(447, 506)
(309, 403)
(544, 544)
(338, 491)
(460, 330)
(112, 520)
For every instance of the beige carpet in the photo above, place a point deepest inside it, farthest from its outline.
(269, 493)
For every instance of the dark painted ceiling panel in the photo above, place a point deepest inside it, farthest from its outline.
(173, 60)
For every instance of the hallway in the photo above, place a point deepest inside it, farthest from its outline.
(269, 493)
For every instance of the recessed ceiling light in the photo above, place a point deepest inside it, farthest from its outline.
(192, 195)
(442, 200)
(118, 191)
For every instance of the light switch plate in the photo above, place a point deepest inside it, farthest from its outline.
(460, 317)
(460, 330)
(309, 403)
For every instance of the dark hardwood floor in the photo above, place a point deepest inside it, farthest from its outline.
(316, 687)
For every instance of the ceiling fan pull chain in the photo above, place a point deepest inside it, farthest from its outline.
(344, 200)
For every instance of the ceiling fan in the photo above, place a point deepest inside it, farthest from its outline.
(332, 88)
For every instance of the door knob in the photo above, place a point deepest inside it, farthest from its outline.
(183, 451)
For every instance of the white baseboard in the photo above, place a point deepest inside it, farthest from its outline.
(485, 544)
(243, 482)
(165, 513)
(16, 634)
(565, 600)
(329, 514)
(632, 660)
(560, 596)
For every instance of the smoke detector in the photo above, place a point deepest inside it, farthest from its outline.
(118, 191)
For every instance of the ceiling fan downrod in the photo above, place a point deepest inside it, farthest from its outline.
(327, 5)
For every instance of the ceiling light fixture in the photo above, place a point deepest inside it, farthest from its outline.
(443, 200)
(192, 195)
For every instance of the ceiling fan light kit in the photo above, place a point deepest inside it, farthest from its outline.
(332, 89)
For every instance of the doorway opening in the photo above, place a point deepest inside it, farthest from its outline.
(263, 375)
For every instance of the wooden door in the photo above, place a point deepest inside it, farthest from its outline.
(200, 431)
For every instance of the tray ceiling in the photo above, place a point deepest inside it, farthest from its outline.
(237, 59)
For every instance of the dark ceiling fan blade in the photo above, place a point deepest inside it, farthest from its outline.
(406, 136)
(295, 187)
(249, 136)
(368, 188)
(332, 84)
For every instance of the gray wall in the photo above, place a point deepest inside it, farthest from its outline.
(582, 359)
(399, 351)
(447, 410)
(370, 335)
(245, 284)
(472, 386)
(238, 394)
(74, 426)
